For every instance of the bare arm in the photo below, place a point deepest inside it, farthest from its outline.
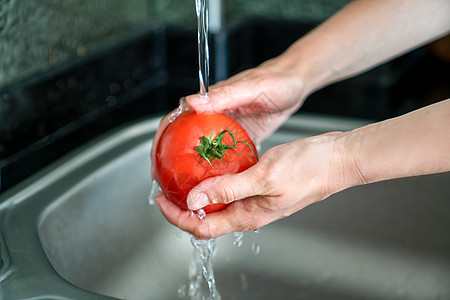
(364, 34)
(417, 143)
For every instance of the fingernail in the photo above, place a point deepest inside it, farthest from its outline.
(197, 201)
(200, 103)
(204, 98)
(197, 99)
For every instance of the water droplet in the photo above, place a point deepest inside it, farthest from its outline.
(238, 236)
(256, 248)
(257, 231)
(193, 289)
(178, 236)
(201, 214)
(180, 109)
(182, 290)
(257, 143)
(153, 192)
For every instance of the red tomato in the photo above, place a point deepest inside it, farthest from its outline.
(179, 163)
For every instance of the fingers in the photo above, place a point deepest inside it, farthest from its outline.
(175, 215)
(186, 220)
(226, 189)
(239, 216)
(223, 96)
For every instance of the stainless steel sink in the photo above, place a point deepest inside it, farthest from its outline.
(83, 229)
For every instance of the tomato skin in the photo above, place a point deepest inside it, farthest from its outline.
(179, 167)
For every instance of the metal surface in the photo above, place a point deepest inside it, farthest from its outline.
(83, 229)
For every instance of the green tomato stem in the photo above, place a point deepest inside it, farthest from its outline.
(214, 148)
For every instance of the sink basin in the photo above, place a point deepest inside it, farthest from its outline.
(84, 229)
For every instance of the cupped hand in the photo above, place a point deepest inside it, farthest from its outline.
(286, 179)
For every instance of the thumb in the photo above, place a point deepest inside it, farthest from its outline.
(224, 189)
(222, 97)
(200, 103)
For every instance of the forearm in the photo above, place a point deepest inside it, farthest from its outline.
(362, 35)
(417, 143)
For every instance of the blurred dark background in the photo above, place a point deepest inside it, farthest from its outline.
(72, 70)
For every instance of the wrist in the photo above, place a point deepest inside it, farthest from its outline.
(410, 145)
(345, 169)
(303, 61)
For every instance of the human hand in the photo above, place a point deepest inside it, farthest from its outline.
(260, 99)
(286, 179)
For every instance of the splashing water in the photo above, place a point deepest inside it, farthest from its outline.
(202, 283)
(256, 248)
(201, 214)
(180, 109)
(257, 143)
(238, 236)
(181, 290)
(201, 267)
(153, 192)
